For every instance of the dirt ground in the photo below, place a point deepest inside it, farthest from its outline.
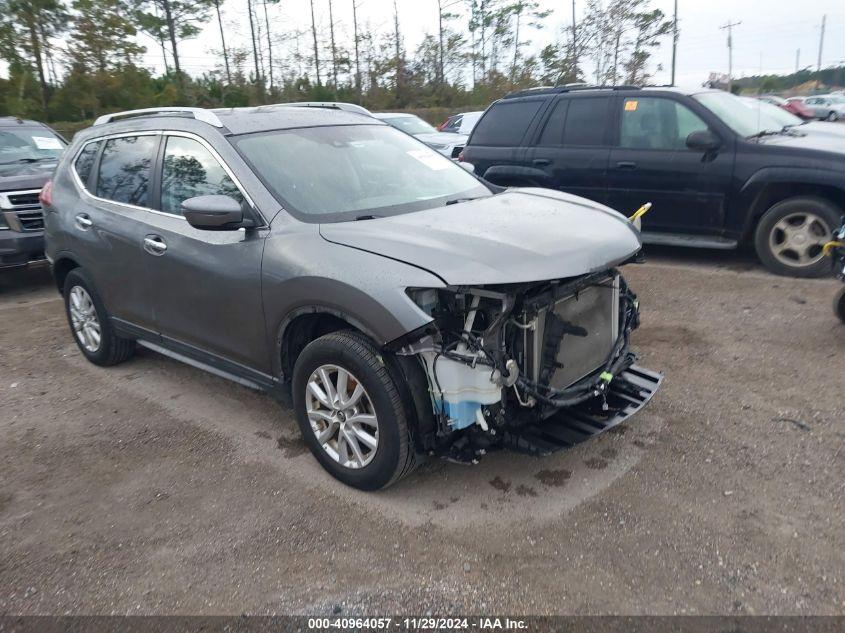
(153, 487)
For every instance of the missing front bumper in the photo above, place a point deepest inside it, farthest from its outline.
(629, 392)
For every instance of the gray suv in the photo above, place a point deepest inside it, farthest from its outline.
(410, 308)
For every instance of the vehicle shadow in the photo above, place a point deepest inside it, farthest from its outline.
(740, 260)
(32, 280)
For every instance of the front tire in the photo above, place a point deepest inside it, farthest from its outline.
(791, 234)
(839, 304)
(89, 322)
(350, 412)
(832, 116)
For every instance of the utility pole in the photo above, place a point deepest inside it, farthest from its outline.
(729, 26)
(674, 40)
(797, 60)
(574, 47)
(821, 46)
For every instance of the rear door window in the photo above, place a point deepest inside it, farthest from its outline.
(586, 122)
(125, 170)
(506, 123)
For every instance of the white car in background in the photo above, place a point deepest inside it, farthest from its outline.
(461, 123)
(446, 143)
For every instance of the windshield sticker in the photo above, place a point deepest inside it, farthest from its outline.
(631, 105)
(429, 158)
(47, 142)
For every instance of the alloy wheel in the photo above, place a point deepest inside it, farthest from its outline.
(798, 239)
(342, 416)
(83, 317)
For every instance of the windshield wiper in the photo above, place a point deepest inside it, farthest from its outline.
(32, 160)
(458, 200)
(763, 133)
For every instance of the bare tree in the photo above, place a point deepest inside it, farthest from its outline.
(316, 47)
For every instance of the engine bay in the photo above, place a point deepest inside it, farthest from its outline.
(501, 359)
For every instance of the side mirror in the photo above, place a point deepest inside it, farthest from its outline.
(703, 140)
(213, 213)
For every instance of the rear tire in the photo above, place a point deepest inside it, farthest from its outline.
(790, 236)
(839, 304)
(367, 455)
(89, 322)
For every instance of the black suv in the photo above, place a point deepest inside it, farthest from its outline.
(29, 152)
(719, 171)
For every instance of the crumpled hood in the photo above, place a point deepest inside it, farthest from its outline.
(520, 235)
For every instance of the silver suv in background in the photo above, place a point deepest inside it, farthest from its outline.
(411, 308)
(29, 152)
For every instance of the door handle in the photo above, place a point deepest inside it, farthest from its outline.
(627, 165)
(541, 162)
(154, 245)
(83, 221)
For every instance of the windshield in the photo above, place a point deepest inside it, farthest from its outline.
(744, 116)
(772, 115)
(24, 145)
(325, 174)
(410, 124)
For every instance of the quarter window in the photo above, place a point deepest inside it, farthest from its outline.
(85, 162)
(650, 123)
(190, 170)
(125, 168)
(505, 123)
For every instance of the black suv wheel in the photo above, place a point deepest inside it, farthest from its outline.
(350, 413)
(791, 234)
(839, 304)
(90, 324)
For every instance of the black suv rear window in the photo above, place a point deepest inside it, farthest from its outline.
(506, 123)
(125, 169)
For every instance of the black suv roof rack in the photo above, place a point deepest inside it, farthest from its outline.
(542, 90)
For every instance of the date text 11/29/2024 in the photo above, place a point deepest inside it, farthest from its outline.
(417, 623)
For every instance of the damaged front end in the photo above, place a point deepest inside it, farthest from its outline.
(535, 367)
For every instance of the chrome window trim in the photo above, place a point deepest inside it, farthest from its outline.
(106, 137)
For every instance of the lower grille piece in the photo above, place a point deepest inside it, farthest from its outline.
(629, 392)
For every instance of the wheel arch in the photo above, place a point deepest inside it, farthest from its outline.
(307, 323)
(769, 187)
(61, 268)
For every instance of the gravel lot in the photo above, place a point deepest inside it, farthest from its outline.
(153, 487)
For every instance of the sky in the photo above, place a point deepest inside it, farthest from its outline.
(767, 38)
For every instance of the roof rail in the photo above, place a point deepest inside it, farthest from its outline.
(200, 114)
(337, 105)
(565, 88)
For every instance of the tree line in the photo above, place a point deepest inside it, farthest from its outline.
(72, 60)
